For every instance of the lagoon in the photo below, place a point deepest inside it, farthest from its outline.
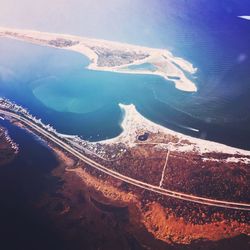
(56, 87)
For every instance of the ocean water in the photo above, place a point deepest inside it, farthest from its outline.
(23, 182)
(55, 86)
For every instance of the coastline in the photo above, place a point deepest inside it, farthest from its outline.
(154, 213)
(133, 122)
(88, 190)
(168, 66)
(8, 148)
(145, 216)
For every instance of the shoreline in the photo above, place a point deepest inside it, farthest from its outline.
(151, 214)
(133, 122)
(168, 66)
(177, 224)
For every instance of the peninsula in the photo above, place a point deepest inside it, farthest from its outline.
(184, 189)
(115, 57)
(181, 190)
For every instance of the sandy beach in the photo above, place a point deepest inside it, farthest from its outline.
(133, 122)
(167, 66)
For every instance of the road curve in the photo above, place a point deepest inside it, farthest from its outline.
(129, 180)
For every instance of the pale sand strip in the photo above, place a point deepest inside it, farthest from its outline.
(133, 122)
(164, 169)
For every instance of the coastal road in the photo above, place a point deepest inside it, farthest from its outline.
(159, 190)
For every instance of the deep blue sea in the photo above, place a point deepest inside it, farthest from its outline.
(23, 182)
(55, 86)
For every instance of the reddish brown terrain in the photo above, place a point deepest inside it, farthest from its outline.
(122, 215)
(151, 220)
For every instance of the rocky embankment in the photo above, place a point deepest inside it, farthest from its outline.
(8, 148)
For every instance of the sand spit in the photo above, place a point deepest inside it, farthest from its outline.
(133, 122)
(114, 56)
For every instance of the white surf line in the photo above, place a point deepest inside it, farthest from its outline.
(245, 17)
(189, 128)
(1, 118)
(164, 169)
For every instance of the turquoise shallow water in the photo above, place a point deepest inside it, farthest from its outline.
(56, 87)
(143, 66)
(72, 97)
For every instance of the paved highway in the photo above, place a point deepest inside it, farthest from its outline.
(129, 180)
